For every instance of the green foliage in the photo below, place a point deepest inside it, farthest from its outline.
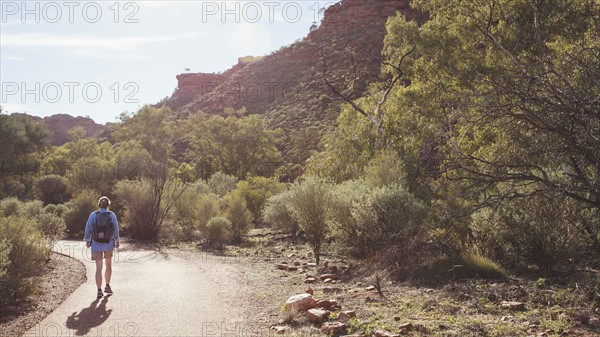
(138, 198)
(385, 169)
(303, 143)
(348, 209)
(544, 232)
(80, 208)
(51, 226)
(130, 160)
(504, 105)
(92, 173)
(194, 208)
(219, 231)
(31, 209)
(239, 216)
(21, 142)
(13, 186)
(5, 248)
(208, 207)
(256, 191)
(148, 202)
(367, 219)
(151, 129)
(468, 265)
(21, 136)
(51, 189)
(309, 203)
(221, 183)
(48, 220)
(58, 210)
(58, 160)
(240, 146)
(277, 213)
(345, 151)
(186, 212)
(10, 206)
(160, 179)
(26, 250)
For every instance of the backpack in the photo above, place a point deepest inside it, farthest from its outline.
(103, 229)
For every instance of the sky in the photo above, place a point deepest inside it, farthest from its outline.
(103, 58)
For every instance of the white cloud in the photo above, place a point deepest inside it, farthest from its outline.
(105, 43)
(113, 47)
(10, 58)
(8, 108)
(250, 39)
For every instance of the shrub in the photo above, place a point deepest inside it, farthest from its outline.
(5, 248)
(539, 231)
(11, 186)
(138, 198)
(201, 187)
(51, 189)
(239, 215)
(92, 173)
(172, 231)
(186, 211)
(207, 207)
(32, 209)
(79, 211)
(218, 229)
(385, 169)
(309, 203)
(221, 183)
(58, 210)
(256, 191)
(193, 210)
(368, 219)
(278, 213)
(347, 207)
(10, 206)
(51, 226)
(26, 250)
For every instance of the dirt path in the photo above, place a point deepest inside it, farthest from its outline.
(165, 293)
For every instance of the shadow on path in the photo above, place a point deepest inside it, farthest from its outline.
(92, 316)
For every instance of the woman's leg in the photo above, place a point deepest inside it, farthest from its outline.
(99, 272)
(108, 272)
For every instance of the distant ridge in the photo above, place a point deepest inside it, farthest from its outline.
(60, 124)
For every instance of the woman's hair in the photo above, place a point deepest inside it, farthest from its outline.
(103, 197)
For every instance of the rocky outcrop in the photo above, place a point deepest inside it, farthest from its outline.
(338, 16)
(59, 125)
(191, 85)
